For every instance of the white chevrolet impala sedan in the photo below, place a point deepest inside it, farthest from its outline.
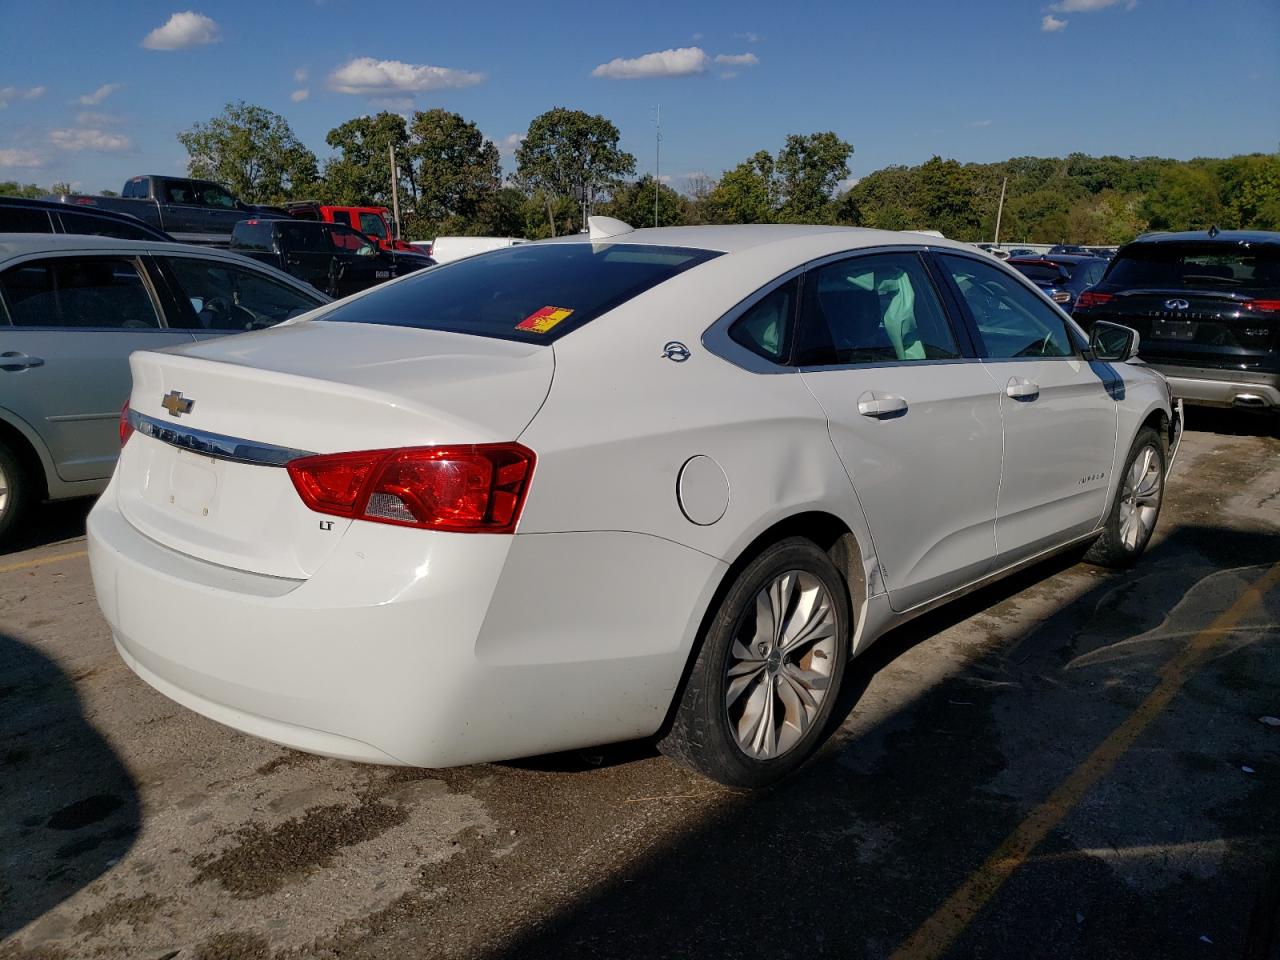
(637, 483)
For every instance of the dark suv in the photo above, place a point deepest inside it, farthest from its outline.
(331, 257)
(1061, 276)
(1207, 307)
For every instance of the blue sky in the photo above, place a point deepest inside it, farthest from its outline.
(91, 93)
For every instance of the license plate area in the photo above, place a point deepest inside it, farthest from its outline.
(1174, 329)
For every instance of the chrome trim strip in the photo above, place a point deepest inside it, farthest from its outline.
(215, 445)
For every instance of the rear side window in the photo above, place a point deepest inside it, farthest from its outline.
(78, 292)
(1042, 272)
(87, 223)
(765, 328)
(535, 293)
(874, 309)
(252, 235)
(342, 216)
(226, 296)
(1191, 266)
(136, 189)
(24, 220)
(303, 237)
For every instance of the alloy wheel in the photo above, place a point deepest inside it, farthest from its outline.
(779, 666)
(1140, 498)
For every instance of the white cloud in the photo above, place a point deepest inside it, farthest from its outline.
(747, 37)
(300, 75)
(182, 30)
(681, 62)
(8, 94)
(299, 95)
(508, 145)
(20, 158)
(738, 59)
(1051, 24)
(1088, 6)
(95, 98)
(365, 76)
(90, 138)
(980, 123)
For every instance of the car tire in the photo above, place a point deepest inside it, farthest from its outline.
(760, 694)
(1133, 515)
(17, 493)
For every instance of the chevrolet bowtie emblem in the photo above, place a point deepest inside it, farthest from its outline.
(176, 403)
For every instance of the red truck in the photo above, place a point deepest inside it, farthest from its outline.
(373, 222)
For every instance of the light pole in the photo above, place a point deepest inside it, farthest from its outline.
(657, 159)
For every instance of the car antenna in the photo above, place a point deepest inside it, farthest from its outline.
(602, 228)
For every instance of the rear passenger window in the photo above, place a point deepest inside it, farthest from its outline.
(1012, 321)
(880, 308)
(24, 220)
(78, 292)
(103, 227)
(765, 328)
(227, 296)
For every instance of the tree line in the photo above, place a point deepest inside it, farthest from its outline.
(449, 181)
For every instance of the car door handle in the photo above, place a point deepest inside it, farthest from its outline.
(879, 405)
(1020, 388)
(12, 360)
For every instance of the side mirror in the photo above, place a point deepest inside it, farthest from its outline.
(1113, 343)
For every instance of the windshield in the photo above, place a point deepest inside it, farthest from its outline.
(1197, 266)
(534, 293)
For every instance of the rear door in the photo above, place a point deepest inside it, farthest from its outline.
(306, 251)
(67, 327)
(913, 416)
(1060, 417)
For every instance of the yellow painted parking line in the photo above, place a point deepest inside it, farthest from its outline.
(43, 561)
(936, 935)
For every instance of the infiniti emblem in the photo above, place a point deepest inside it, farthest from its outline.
(1177, 303)
(176, 403)
(675, 350)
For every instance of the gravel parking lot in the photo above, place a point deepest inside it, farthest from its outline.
(1074, 763)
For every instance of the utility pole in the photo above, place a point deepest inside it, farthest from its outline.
(395, 190)
(657, 159)
(999, 212)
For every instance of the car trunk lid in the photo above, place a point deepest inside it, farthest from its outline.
(198, 478)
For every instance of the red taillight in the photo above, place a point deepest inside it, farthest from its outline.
(1262, 306)
(478, 488)
(1091, 298)
(126, 429)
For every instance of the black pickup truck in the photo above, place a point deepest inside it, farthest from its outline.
(191, 211)
(331, 257)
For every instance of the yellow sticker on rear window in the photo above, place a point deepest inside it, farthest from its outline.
(543, 320)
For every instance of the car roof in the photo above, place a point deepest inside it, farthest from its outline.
(62, 207)
(1269, 237)
(1057, 258)
(735, 238)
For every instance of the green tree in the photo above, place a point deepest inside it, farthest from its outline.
(884, 200)
(571, 155)
(253, 151)
(746, 194)
(30, 191)
(360, 173)
(808, 168)
(1184, 198)
(457, 172)
(633, 202)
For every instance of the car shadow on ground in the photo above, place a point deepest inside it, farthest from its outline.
(847, 858)
(69, 810)
(50, 523)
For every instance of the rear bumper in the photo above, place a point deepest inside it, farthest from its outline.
(411, 647)
(1222, 388)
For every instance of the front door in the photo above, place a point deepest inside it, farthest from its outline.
(1060, 416)
(67, 327)
(914, 419)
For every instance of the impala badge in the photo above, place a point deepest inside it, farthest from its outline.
(176, 403)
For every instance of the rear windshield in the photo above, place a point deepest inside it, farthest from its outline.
(535, 293)
(1196, 266)
(1043, 272)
